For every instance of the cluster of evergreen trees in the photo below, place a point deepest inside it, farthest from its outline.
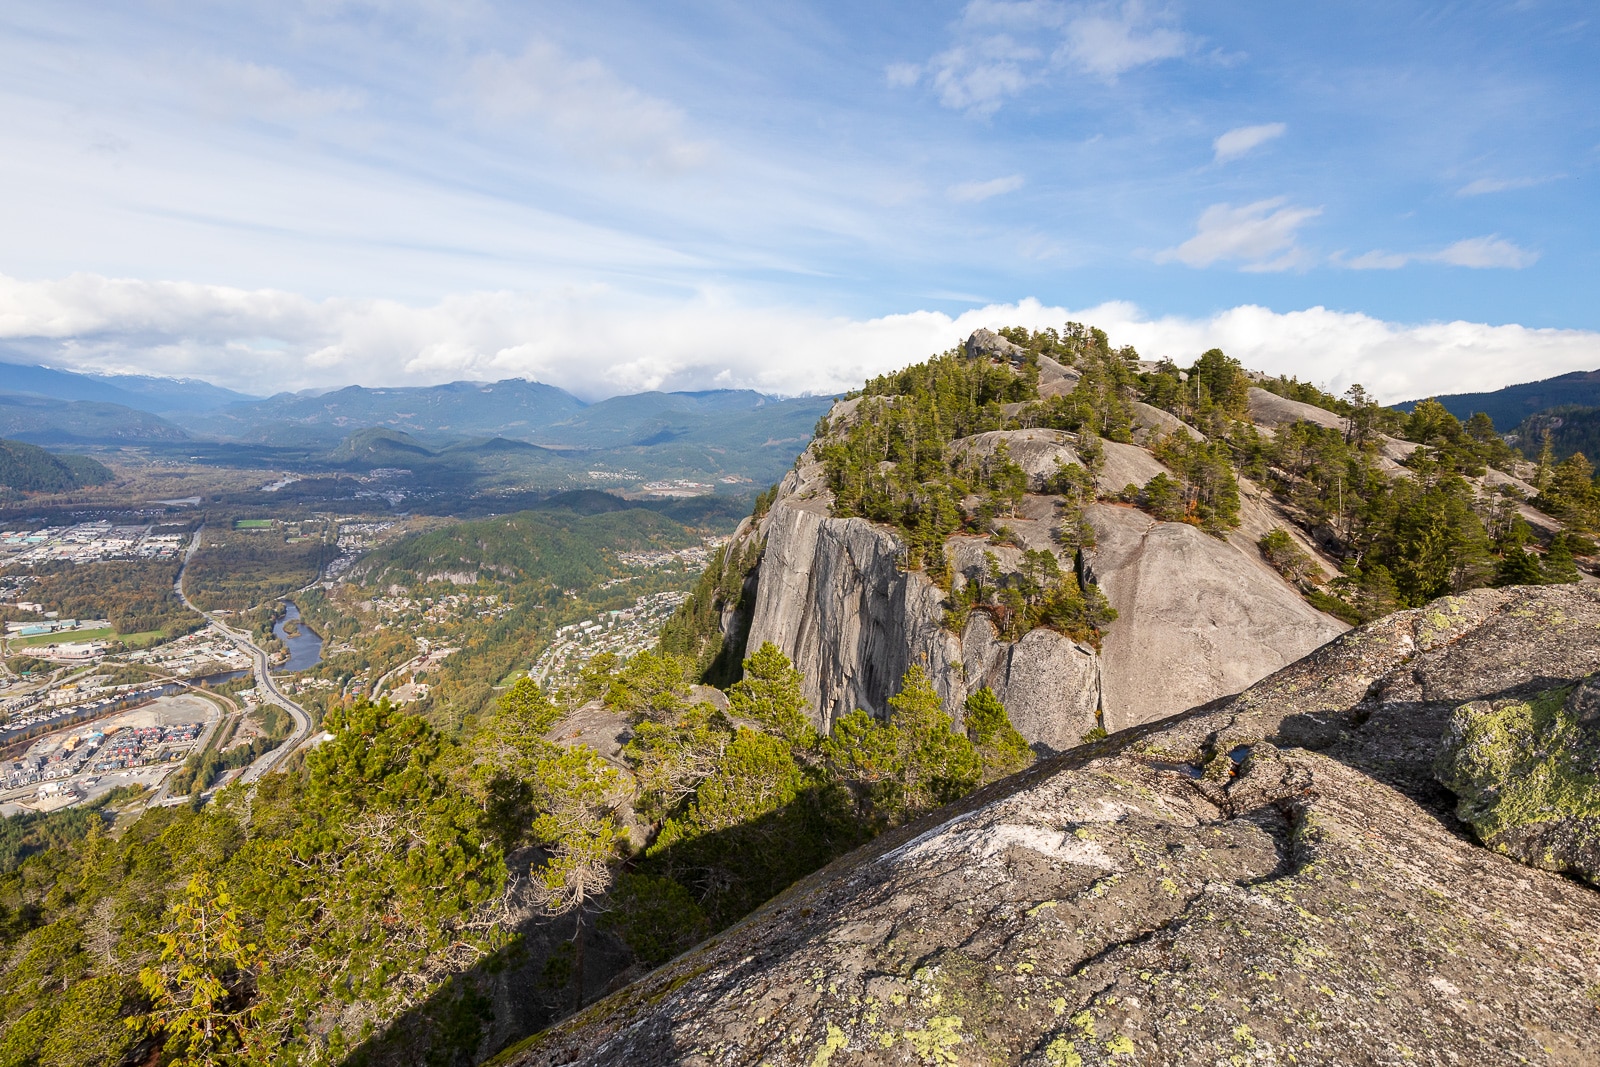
(389, 872)
(1037, 593)
(739, 803)
(891, 463)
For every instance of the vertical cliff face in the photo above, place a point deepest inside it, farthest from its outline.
(833, 594)
(1199, 617)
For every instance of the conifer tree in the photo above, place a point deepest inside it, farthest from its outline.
(200, 985)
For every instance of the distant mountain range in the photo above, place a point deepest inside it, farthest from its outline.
(159, 396)
(508, 431)
(52, 406)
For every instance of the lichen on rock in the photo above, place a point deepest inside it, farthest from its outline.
(1526, 773)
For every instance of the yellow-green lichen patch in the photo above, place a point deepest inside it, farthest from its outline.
(835, 1041)
(1517, 765)
(1062, 1053)
(937, 1043)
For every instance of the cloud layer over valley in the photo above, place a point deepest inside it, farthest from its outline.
(597, 342)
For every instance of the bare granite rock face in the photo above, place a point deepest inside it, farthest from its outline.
(1037, 452)
(1197, 616)
(1056, 379)
(834, 598)
(1273, 879)
(986, 344)
(1272, 410)
(1150, 422)
(1126, 465)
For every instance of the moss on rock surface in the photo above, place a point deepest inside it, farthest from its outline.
(1527, 776)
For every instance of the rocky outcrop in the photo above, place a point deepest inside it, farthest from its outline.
(1199, 616)
(1275, 879)
(986, 344)
(1037, 452)
(1271, 410)
(1150, 422)
(1527, 772)
(834, 596)
(1126, 465)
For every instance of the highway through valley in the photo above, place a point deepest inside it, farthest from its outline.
(266, 687)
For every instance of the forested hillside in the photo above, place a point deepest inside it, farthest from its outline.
(1568, 429)
(1509, 406)
(494, 591)
(363, 906)
(30, 469)
(556, 549)
(1404, 532)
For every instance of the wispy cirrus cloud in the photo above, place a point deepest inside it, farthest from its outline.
(1113, 39)
(1262, 236)
(1244, 139)
(583, 105)
(975, 77)
(1480, 253)
(995, 60)
(260, 91)
(1484, 186)
(977, 192)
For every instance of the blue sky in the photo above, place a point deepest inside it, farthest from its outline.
(613, 196)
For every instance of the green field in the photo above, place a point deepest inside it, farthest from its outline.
(252, 524)
(105, 633)
(67, 636)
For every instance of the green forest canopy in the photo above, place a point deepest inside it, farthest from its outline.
(372, 880)
(30, 469)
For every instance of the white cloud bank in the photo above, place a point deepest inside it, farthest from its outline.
(598, 342)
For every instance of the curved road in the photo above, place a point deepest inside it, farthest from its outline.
(265, 686)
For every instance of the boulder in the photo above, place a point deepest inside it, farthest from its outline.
(1527, 774)
(986, 344)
